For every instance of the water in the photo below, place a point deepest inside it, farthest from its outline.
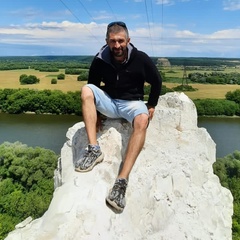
(49, 131)
(225, 132)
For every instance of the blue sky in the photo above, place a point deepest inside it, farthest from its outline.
(161, 28)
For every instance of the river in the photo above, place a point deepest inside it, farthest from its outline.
(49, 131)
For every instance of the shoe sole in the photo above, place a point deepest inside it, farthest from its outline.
(113, 206)
(98, 160)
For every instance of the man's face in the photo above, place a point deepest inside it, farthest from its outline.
(117, 43)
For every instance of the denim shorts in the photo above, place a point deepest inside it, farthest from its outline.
(117, 108)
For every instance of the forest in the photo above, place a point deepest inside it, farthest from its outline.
(26, 183)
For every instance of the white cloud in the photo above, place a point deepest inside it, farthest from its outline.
(165, 2)
(79, 39)
(231, 5)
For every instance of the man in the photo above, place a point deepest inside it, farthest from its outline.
(123, 70)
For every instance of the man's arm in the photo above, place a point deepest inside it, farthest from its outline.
(155, 80)
(94, 73)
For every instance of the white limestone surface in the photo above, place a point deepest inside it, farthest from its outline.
(172, 192)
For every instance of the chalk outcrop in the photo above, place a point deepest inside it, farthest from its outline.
(172, 193)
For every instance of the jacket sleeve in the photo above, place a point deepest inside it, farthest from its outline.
(154, 78)
(94, 76)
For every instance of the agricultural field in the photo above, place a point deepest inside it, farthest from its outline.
(10, 79)
(214, 91)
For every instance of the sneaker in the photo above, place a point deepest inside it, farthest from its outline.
(116, 197)
(92, 157)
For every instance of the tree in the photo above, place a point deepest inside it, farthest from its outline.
(234, 96)
(228, 171)
(61, 76)
(83, 75)
(26, 184)
(54, 81)
(31, 79)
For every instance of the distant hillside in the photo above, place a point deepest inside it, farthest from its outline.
(230, 62)
(86, 59)
(21, 62)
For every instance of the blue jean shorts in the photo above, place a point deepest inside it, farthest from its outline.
(117, 108)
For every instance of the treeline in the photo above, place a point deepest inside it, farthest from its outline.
(26, 184)
(216, 107)
(17, 101)
(45, 63)
(193, 61)
(228, 171)
(213, 107)
(215, 78)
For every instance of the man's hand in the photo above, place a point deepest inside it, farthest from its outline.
(151, 110)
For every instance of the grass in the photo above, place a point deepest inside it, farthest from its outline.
(10, 79)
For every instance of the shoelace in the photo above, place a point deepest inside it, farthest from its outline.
(120, 186)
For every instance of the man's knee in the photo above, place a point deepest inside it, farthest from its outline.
(86, 93)
(141, 121)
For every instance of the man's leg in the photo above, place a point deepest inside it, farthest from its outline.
(93, 155)
(135, 144)
(116, 197)
(89, 114)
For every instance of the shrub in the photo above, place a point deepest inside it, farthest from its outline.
(61, 76)
(31, 79)
(83, 76)
(54, 81)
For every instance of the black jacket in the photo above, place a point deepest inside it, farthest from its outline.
(126, 81)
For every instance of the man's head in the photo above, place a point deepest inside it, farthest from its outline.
(117, 38)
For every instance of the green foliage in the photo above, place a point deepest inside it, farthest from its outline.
(234, 96)
(61, 76)
(184, 88)
(31, 79)
(214, 107)
(215, 77)
(7, 224)
(228, 171)
(76, 71)
(54, 81)
(83, 75)
(26, 185)
(203, 62)
(39, 101)
(45, 63)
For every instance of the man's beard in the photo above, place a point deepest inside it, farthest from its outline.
(118, 52)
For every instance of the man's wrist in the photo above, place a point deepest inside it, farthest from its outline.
(150, 106)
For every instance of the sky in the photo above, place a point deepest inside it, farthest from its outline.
(161, 28)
